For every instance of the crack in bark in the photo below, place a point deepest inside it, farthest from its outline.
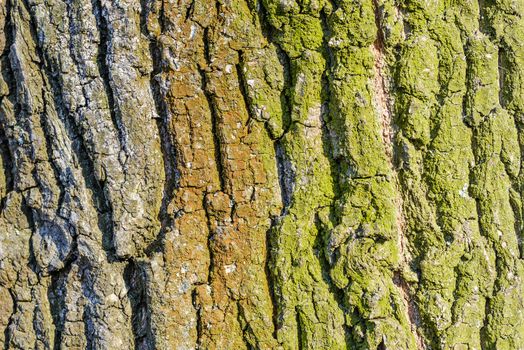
(168, 144)
(382, 103)
(105, 73)
(286, 177)
(136, 282)
(42, 216)
(241, 319)
(504, 70)
(242, 83)
(7, 333)
(300, 332)
(286, 182)
(8, 164)
(215, 116)
(269, 277)
(198, 309)
(210, 239)
(86, 159)
(56, 296)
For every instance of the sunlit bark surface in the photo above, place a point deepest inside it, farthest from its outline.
(261, 174)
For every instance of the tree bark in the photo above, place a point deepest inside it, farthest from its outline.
(261, 174)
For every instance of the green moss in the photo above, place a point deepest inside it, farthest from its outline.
(418, 66)
(303, 32)
(352, 24)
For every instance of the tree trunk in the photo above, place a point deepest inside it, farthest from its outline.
(261, 174)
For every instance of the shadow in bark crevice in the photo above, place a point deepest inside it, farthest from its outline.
(136, 283)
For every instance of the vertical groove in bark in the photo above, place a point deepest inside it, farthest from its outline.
(6, 86)
(134, 276)
(383, 102)
(104, 33)
(214, 124)
(104, 75)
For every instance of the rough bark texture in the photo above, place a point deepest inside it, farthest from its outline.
(261, 174)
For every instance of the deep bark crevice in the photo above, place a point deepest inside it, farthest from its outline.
(300, 331)
(168, 144)
(199, 325)
(104, 40)
(7, 76)
(269, 276)
(210, 240)
(215, 113)
(7, 330)
(286, 177)
(89, 315)
(56, 295)
(136, 283)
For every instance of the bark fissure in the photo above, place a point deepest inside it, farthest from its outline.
(383, 103)
(215, 116)
(7, 76)
(103, 68)
(134, 277)
(168, 144)
(300, 333)
(269, 278)
(10, 324)
(210, 239)
(286, 177)
(199, 323)
(57, 301)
